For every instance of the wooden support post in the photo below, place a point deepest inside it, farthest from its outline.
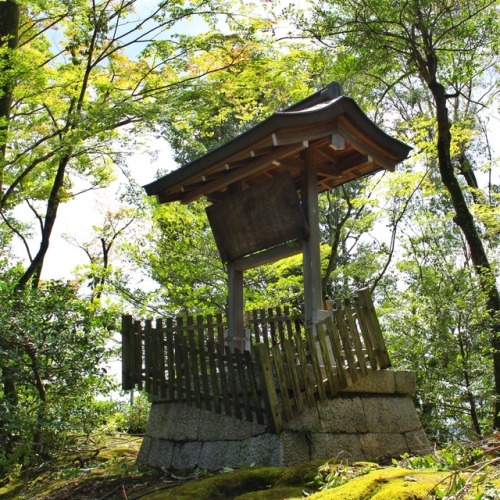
(235, 313)
(311, 248)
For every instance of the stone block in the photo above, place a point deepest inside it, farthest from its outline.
(159, 420)
(406, 382)
(417, 442)
(184, 425)
(160, 453)
(215, 427)
(295, 447)
(186, 455)
(382, 446)
(176, 421)
(218, 454)
(142, 456)
(307, 420)
(339, 446)
(258, 429)
(342, 415)
(377, 382)
(390, 414)
(261, 450)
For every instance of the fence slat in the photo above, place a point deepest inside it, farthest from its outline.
(354, 333)
(254, 326)
(148, 356)
(346, 343)
(333, 382)
(311, 343)
(243, 384)
(169, 340)
(186, 370)
(137, 336)
(220, 331)
(257, 407)
(281, 326)
(334, 335)
(193, 366)
(221, 370)
(127, 378)
(288, 323)
(365, 332)
(273, 410)
(366, 303)
(203, 352)
(211, 349)
(179, 367)
(288, 348)
(281, 380)
(306, 378)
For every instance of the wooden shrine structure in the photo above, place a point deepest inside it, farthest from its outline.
(274, 369)
(264, 187)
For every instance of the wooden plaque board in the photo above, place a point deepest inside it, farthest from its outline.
(258, 218)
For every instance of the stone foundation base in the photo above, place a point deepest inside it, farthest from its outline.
(374, 420)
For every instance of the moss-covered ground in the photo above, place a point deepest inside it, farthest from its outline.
(105, 469)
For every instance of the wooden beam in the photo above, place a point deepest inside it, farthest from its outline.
(292, 163)
(168, 198)
(354, 161)
(267, 256)
(337, 141)
(311, 133)
(251, 168)
(312, 258)
(365, 146)
(235, 313)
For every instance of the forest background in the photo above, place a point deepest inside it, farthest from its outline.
(87, 84)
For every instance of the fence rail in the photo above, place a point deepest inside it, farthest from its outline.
(287, 369)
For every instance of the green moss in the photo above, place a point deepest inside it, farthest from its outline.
(223, 486)
(300, 474)
(277, 493)
(383, 484)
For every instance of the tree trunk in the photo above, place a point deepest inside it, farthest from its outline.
(465, 221)
(32, 353)
(35, 268)
(9, 25)
(468, 386)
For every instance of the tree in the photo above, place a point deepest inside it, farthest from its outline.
(71, 98)
(9, 25)
(179, 253)
(98, 271)
(447, 47)
(77, 79)
(437, 324)
(221, 106)
(54, 344)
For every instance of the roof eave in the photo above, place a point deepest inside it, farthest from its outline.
(317, 113)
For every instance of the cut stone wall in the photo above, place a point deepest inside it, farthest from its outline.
(373, 420)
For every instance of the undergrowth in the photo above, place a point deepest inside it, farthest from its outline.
(104, 467)
(474, 469)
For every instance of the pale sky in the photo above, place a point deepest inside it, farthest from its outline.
(77, 217)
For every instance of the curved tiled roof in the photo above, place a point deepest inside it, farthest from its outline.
(343, 143)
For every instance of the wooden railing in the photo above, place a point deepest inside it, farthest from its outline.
(287, 369)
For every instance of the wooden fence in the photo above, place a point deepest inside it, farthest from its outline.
(288, 368)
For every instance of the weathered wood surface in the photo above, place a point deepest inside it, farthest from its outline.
(258, 218)
(288, 369)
